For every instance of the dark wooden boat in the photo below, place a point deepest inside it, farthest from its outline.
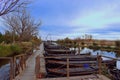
(59, 51)
(51, 45)
(56, 64)
(71, 62)
(72, 58)
(74, 71)
(63, 64)
(78, 65)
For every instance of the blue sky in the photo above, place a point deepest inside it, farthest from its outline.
(74, 18)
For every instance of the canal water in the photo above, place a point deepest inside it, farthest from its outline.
(103, 53)
(5, 71)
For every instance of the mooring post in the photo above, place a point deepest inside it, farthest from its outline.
(14, 66)
(24, 61)
(68, 73)
(37, 66)
(100, 64)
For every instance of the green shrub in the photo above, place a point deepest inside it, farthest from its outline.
(16, 49)
(5, 50)
(9, 50)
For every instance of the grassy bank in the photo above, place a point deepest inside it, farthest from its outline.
(16, 49)
(9, 49)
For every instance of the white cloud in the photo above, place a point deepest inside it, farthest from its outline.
(86, 19)
(97, 18)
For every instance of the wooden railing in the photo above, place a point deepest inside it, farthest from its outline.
(17, 65)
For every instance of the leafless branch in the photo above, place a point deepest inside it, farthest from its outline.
(22, 24)
(7, 6)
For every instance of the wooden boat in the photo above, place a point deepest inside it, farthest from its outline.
(56, 65)
(78, 65)
(51, 45)
(72, 58)
(59, 51)
(63, 64)
(71, 62)
(73, 71)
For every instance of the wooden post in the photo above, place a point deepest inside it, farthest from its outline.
(68, 73)
(24, 61)
(14, 66)
(11, 69)
(100, 64)
(20, 65)
(37, 65)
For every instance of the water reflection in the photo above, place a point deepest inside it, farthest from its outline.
(103, 53)
(118, 64)
(4, 72)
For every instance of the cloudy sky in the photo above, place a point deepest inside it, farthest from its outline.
(74, 18)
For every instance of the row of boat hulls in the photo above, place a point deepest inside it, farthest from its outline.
(56, 63)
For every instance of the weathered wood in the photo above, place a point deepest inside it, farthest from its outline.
(68, 73)
(29, 72)
(83, 56)
(5, 58)
(37, 65)
(84, 77)
(71, 62)
(100, 64)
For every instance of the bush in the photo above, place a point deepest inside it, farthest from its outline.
(16, 49)
(27, 47)
(9, 50)
(5, 50)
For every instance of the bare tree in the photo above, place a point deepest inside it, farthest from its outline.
(7, 6)
(22, 24)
